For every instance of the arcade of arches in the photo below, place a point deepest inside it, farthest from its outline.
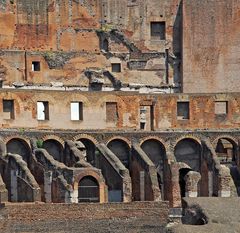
(150, 170)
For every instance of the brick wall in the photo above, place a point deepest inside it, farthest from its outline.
(124, 217)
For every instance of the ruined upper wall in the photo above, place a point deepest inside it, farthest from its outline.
(68, 37)
(211, 38)
(70, 25)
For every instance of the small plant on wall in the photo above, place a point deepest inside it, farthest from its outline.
(39, 143)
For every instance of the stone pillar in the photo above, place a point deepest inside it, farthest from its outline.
(73, 197)
(210, 183)
(224, 179)
(142, 186)
(3, 191)
(48, 186)
(126, 187)
(192, 178)
(14, 193)
(176, 194)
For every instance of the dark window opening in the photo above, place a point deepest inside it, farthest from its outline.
(116, 67)
(35, 66)
(182, 110)
(142, 125)
(8, 109)
(105, 45)
(76, 111)
(158, 30)
(42, 110)
(88, 190)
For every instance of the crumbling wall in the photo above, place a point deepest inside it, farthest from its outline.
(64, 37)
(20, 182)
(116, 175)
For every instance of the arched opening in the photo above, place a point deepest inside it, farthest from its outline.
(121, 149)
(20, 147)
(90, 150)
(88, 190)
(54, 148)
(156, 151)
(189, 151)
(226, 150)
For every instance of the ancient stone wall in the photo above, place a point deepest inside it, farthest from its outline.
(210, 46)
(200, 111)
(57, 41)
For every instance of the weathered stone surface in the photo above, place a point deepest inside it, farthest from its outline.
(131, 218)
(218, 215)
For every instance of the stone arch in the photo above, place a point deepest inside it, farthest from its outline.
(54, 148)
(90, 150)
(163, 142)
(53, 137)
(120, 138)
(95, 175)
(121, 149)
(87, 136)
(88, 190)
(227, 152)
(17, 145)
(230, 151)
(188, 150)
(188, 136)
(156, 151)
(153, 148)
(226, 136)
(25, 139)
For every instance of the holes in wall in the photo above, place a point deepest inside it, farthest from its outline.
(8, 109)
(105, 45)
(116, 67)
(76, 111)
(42, 110)
(36, 66)
(183, 110)
(158, 30)
(221, 107)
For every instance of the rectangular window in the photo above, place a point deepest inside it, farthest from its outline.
(116, 67)
(35, 66)
(182, 110)
(8, 109)
(111, 112)
(76, 111)
(221, 107)
(158, 30)
(146, 117)
(42, 110)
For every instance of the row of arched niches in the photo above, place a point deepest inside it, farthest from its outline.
(184, 150)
